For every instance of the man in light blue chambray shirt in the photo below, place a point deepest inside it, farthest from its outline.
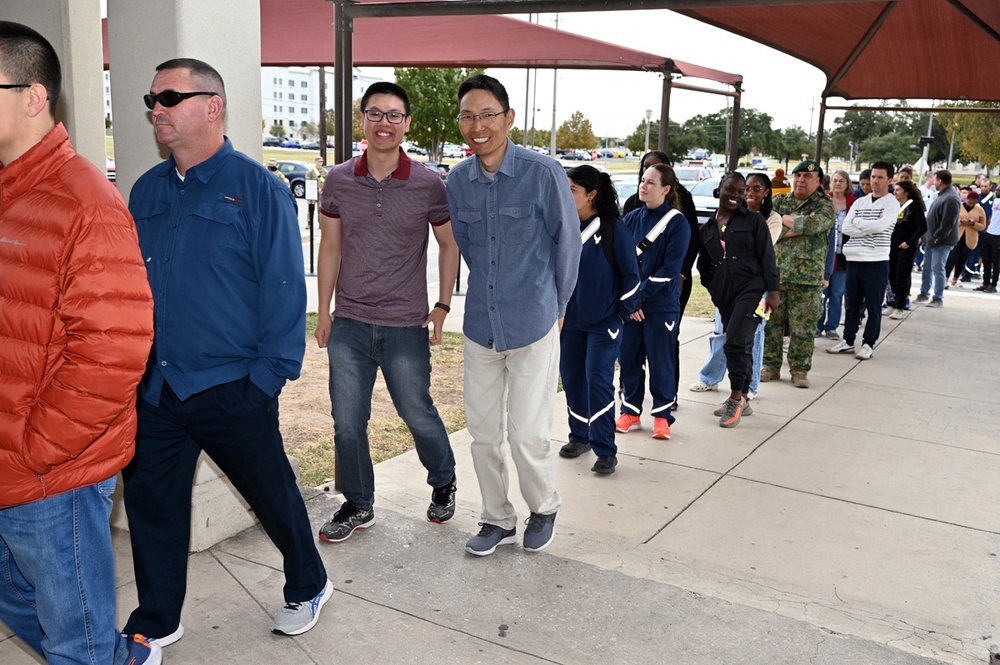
(517, 228)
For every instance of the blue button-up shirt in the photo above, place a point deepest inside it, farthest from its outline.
(519, 232)
(224, 257)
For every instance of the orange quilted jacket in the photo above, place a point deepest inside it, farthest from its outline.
(76, 324)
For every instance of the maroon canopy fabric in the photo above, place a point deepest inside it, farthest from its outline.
(300, 32)
(923, 49)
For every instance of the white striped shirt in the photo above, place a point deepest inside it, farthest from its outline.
(869, 225)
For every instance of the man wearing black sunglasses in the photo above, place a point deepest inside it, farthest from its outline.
(220, 239)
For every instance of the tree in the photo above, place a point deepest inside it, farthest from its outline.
(893, 147)
(636, 141)
(278, 130)
(794, 143)
(576, 132)
(309, 130)
(977, 134)
(756, 133)
(434, 106)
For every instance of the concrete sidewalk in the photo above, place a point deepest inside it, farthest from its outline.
(854, 522)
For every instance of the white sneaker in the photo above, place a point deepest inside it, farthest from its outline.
(751, 395)
(864, 353)
(897, 315)
(841, 347)
(702, 387)
(167, 640)
(297, 618)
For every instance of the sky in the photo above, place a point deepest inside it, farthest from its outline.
(616, 102)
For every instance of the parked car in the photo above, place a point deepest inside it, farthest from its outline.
(296, 174)
(438, 167)
(599, 167)
(413, 149)
(452, 151)
(311, 145)
(467, 151)
(626, 186)
(109, 168)
(688, 175)
(291, 143)
(272, 142)
(705, 201)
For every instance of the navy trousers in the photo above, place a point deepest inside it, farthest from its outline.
(587, 366)
(866, 281)
(652, 342)
(236, 424)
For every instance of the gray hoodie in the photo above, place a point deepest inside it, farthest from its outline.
(942, 219)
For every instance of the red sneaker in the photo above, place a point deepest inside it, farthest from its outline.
(627, 422)
(661, 428)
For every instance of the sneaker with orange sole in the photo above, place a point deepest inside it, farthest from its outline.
(627, 422)
(661, 428)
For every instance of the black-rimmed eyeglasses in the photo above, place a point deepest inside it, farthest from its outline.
(169, 98)
(14, 86)
(394, 117)
(486, 117)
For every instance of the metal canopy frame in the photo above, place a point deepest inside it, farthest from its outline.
(346, 11)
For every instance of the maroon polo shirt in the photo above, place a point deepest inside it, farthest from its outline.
(386, 228)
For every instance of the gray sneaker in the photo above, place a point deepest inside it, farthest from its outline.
(732, 412)
(346, 521)
(935, 303)
(485, 542)
(297, 618)
(540, 531)
(922, 298)
(747, 409)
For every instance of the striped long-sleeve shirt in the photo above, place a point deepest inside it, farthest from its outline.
(869, 225)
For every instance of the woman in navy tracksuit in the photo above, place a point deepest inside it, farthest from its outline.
(651, 335)
(607, 292)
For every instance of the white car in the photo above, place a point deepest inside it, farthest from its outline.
(452, 151)
(688, 175)
(626, 186)
(705, 201)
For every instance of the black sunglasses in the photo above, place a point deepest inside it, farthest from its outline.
(169, 98)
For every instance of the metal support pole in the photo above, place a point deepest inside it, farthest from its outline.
(819, 130)
(311, 223)
(734, 140)
(664, 141)
(322, 113)
(342, 93)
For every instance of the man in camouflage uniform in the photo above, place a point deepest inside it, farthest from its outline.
(806, 217)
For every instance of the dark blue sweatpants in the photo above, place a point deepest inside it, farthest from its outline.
(587, 366)
(652, 342)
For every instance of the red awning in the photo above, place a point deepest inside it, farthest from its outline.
(874, 49)
(300, 32)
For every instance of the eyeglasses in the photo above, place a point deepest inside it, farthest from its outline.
(169, 98)
(394, 117)
(486, 117)
(12, 86)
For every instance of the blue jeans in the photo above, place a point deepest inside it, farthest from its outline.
(714, 370)
(57, 576)
(935, 259)
(833, 299)
(357, 351)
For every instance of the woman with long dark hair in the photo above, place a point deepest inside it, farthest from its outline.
(662, 234)
(911, 225)
(606, 293)
(738, 268)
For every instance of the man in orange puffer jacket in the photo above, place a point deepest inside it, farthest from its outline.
(76, 324)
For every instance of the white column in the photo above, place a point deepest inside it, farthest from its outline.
(141, 35)
(73, 27)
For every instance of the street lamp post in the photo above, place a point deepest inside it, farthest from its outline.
(649, 114)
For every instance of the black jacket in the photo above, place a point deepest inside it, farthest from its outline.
(746, 267)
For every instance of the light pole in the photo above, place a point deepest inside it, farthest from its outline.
(649, 114)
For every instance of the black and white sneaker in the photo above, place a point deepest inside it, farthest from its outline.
(346, 521)
(442, 506)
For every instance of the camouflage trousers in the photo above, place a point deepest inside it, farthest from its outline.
(801, 306)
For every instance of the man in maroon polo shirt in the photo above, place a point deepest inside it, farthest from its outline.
(376, 212)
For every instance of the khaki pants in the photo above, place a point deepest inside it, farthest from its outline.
(526, 377)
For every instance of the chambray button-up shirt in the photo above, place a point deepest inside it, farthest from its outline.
(224, 259)
(519, 232)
